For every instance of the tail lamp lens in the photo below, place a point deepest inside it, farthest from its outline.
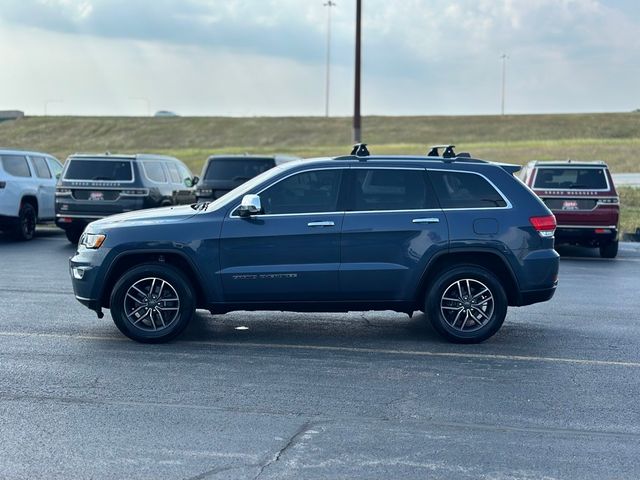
(545, 226)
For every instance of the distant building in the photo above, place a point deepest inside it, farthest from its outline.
(10, 115)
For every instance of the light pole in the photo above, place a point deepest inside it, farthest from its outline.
(504, 58)
(329, 4)
(357, 130)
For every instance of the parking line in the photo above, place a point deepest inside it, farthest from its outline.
(329, 348)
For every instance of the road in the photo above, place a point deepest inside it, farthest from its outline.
(626, 179)
(281, 395)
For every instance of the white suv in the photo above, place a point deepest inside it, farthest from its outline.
(27, 190)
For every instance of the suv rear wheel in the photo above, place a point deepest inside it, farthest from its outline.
(152, 303)
(27, 219)
(466, 304)
(609, 250)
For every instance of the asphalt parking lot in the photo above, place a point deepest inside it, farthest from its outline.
(555, 394)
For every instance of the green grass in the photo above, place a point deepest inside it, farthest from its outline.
(612, 137)
(629, 209)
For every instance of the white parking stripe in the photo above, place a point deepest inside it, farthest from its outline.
(416, 353)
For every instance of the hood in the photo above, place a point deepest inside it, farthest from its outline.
(152, 216)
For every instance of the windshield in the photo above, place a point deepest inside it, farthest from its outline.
(237, 169)
(109, 170)
(247, 186)
(571, 178)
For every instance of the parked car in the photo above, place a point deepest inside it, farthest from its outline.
(94, 186)
(584, 200)
(27, 191)
(458, 238)
(223, 173)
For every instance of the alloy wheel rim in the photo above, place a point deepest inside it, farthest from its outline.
(467, 305)
(151, 304)
(28, 225)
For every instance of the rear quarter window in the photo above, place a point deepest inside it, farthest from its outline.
(465, 190)
(15, 165)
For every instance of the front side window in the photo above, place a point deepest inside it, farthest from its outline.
(16, 165)
(307, 192)
(40, 164)
(154, 172)
(55, 167)
(173, 172)
(571, 178)
(465, 190)
(390, 189)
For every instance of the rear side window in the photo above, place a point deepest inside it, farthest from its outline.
(154, 172)
(571, 178)
(108, 170)
(237, 169)
(16, 165)
(173, 173)
(40, 164)
(389, 189)
(306, 192)
(464, 190)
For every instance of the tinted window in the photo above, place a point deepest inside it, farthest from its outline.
(16, 165)
(40, 164)
(184, 172)
(154, 172)
(238, 169)
(56, 168)
(465, 190)
(391, 190)
(109, 170)
(307, 192)
(590, 178)
(173, 173)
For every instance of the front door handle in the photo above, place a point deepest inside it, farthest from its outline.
(426, 220)
(321, 224)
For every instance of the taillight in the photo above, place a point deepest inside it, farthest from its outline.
(545, 226)
(609, 201)
(136, 192)
(63, 192)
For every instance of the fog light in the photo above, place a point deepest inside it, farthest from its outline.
(78, 272)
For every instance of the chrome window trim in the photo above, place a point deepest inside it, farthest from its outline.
(614, 227)
(280, 180)
(63, 176)
(573, 167)
(62, 215)
(395, 211)
(504, 197)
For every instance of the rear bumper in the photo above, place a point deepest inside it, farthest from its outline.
(530, 297)
(590, 235)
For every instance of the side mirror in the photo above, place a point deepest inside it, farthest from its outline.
(189, 182)
(250, 205)
(195, 180)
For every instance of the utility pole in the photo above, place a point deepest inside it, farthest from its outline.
(357, 130)
(504, 58)
(328, 4)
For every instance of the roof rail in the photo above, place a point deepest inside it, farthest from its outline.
(360, 150)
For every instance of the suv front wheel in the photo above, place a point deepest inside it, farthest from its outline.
(152, 303)
(466, 304)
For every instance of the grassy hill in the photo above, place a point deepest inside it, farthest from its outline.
(613, 137)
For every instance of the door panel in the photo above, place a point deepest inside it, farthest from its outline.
(394, 228)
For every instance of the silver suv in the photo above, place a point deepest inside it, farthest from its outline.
(27, 190)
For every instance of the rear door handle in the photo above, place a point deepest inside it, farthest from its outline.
(321, 224)
(426, 220)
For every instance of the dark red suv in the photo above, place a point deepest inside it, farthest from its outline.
(582, 197)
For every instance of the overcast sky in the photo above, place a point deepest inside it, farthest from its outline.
(267, 57)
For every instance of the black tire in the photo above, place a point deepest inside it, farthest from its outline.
(494, 308)
(141, 330)
(609, 250)
(27, 219)
(73, 235)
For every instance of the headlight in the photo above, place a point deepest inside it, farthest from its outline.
(91, 240)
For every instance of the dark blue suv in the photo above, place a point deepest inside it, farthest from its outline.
(457, 238)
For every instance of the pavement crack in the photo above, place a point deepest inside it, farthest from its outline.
(304, 428)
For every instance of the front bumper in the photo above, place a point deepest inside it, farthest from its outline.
(85, 270)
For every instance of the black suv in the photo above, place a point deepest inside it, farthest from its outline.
(223, 173)
(96, 186)
(458, 238)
